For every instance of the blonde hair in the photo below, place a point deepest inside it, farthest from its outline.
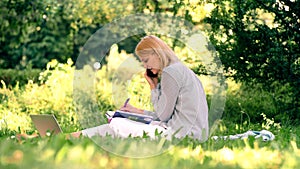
(152, 45)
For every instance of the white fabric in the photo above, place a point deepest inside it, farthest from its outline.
(122, 127)
(125, 127)
(101, 130)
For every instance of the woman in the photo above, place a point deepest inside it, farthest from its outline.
(177, 95)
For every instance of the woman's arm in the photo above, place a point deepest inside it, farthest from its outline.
(164, 98)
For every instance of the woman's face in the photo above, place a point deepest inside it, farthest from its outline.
(151, 62)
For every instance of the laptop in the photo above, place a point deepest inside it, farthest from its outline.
(45, 124)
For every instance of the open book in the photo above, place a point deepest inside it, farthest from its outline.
(132, 116)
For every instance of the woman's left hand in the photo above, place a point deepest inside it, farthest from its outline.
(153, 81)
(132, 109)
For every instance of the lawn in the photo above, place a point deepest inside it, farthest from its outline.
(59, 152)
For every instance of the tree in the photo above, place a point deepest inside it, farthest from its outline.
(258, 42)
(35, 32)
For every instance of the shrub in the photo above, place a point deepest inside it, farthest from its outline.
(12, 77)
(53, 93)
(247, 103)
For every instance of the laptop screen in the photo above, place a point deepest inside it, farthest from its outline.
(46, 123)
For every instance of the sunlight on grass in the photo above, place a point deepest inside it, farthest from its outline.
(75, 153)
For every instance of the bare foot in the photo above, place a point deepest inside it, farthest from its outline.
(74, 135)
(26, 136)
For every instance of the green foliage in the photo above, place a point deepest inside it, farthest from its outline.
(53, 94)
(46, 98)
(246, 104)
(16, 19)
(12, 77)
(35, 32)
(258, 43)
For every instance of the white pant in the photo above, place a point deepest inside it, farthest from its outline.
(123, 127)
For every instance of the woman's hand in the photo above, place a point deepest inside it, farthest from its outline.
(132, 109)
(153, 81)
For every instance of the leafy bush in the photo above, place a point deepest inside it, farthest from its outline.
(49, 97)
(248, 103)
(12, 77)
(53, 94)
(257, 45)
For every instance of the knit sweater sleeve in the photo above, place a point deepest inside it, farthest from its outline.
(164, 97)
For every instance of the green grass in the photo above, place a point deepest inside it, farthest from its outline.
(58, 152)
